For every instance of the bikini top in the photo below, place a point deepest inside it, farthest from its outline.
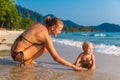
(21, 38)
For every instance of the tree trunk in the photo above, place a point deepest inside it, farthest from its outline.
(2, 25)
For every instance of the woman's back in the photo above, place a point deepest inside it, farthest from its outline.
(31, 36)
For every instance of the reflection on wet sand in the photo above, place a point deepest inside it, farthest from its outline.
(10, 70)
(14, 71)
(78, 75)
(86, 75)
(23, 73)
(32, 73)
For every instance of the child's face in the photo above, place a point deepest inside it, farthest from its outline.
(88, 49)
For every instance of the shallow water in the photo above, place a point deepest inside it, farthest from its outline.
(104, 42)
(37, 73)
(46, 69)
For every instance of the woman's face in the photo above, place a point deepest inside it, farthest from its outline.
(57, 30)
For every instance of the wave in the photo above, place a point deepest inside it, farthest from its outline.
(100, 35)
(95, 35)
(87, 34)
(108, 49)
(102, 48)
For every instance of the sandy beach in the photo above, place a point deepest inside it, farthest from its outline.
(47, 69)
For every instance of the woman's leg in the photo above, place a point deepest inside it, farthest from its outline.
(39, 53)
(31, 53)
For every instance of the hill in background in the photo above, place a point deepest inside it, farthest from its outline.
(108, 27)
(69, 25)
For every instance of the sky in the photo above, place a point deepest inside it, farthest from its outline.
(82, 12)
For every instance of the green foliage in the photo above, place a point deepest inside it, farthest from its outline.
(78, 29)
(70, 29)
(8, 13)
(29, 13)
(28, 17)
(26, 22)
(10, 18)
(16, 17)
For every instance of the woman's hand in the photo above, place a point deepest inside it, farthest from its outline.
(76, 68)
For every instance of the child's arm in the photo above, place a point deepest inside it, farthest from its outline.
(77, 62)
(93, 64)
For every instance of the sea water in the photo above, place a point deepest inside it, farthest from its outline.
(104, 42)
(47, 69)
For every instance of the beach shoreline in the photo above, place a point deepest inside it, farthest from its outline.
(107, 66)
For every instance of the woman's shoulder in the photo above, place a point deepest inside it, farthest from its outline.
(39, 26)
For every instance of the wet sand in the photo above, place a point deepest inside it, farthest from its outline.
(47, 69)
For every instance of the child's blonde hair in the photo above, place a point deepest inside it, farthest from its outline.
(86, 44)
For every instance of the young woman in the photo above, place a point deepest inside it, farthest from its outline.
(35, 41)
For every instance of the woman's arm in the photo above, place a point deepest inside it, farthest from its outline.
(49, 45)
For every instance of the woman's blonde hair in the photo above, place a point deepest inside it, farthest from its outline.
(53, 21)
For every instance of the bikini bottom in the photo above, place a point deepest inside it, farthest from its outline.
(14, 54)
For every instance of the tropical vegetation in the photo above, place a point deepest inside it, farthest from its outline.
(16, 17)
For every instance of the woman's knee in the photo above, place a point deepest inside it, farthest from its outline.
(44, 50)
